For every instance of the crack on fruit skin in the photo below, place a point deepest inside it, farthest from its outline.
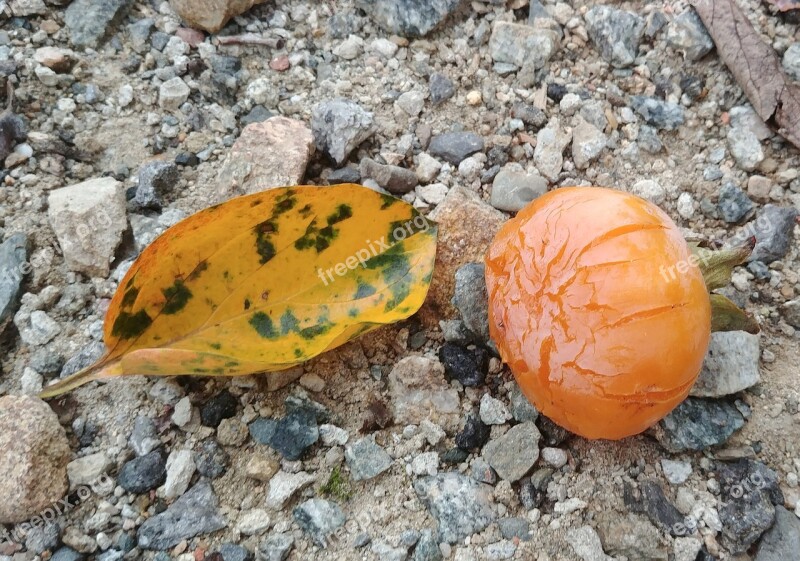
(561, 316)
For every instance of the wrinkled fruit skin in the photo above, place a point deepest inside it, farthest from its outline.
(598, 309)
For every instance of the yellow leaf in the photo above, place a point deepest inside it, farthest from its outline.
(266, 281)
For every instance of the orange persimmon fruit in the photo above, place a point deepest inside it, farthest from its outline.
(599, 310)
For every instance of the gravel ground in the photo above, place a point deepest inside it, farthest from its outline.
(412, 442)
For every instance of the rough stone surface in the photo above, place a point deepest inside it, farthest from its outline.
(394, 179)
(688, 35)
(782, 541)
(34, 452)
(13, 260)
(409, 18)
(155, 180)
(791, 61)
(144, 473)
(615, 33)
(283, 486)
(521, 45)
(587, 144)
(549, 152)
(366, 459)
(745, 148)
(513, 190)
(339, 126)
(195, 513)
(419, 390)
(697, 424)
(319, 518)
(586, 544)
(773, 229)
(210, 15)
(513, 454)
(658, 113)
(272, 153)
(730, 366)
(460, 505)
(88, 21)
(88, 219)
(471, 300)
(454, 147)
(733, 204)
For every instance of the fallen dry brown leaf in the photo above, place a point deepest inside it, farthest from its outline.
(755, 65)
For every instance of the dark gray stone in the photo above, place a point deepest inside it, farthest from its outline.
(194, 513)
(616, 34)
(339, 126)
(734, 204)
(233, 552)
(648, 140)
(652, 502)
(474, 434)
(291, 436)
(513, 454)
(658, 113)
(221, 406)
(144, 437)
(344, 175)
(257, 114)
(441, 88)
(144, 473)
(43, 538)
(454, 147)
(156, 178)
(749, 493)
(89, 21)
(366, 459)
(319, 518)
(427, 548)
(697, 424)
(67, 554)
(46, 362)
(139, 33)
(471, 299)
(460, 505)
(13, 260)
(409, 18)
(773, 229)
(782, 541)
(212, 460)
(511, 528)
(468, 366)
(87, 356)
(530, 115)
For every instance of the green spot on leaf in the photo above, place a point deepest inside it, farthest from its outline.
(177, 296)
(128, 326)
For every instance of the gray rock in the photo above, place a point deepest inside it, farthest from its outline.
(366, 459)
(791, 311)
(791, 61)
(512, 190)
(616, 33)
(511, 528)
(631, 537)
(734, 205)
(586, 544)
(522, 45)
(658, 113)
(155, 180)
(521, 409)
(36, 328)
(13, 266)
(730, 366)
(782, 541)
(648, 140)
(43, 538)
(89, 21)
(549, 152)
(461, 505)
(471, 300)
(344, 175)
(46, 362)
(773, 229)
(688, 35)
(386, 552)
(409, 18)
(144, 473)
(88, 355)
(233, 552)
(454, 147)
(339, 127)
(655, 23)
(749, 493)
(139, 33)
(441, 88)
(428, 548)
(195, 513)
(652, 502)
(394, 179)
(291, 436)
(144, 437)
(275, 548)
(319, 518)
(513, 454)
(587, 144)
(67, 554)
(745, 148)
(697, 424)
(530, 115)
(211, 459)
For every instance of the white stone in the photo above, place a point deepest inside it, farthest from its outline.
(569, 104)
(555, 457)
(253, 522)
(88, 469)
(432, 194)
(47, 76)
(331, 435)
(426, 463)
(687, 549)
(586, 544)
(125, 95)
(262, 92)
(428, 167)
(745, 148)
(493, 411)
(569, 505)
(383, 47)
(685, 206)
(36, 329)
(180, 469)
(350, 48)
(283, 485)
(676, 472)
(31, 381)
(587, 144)
(411, 102)
(88, 219)
(172, 94)
(182, 413)
(650, 190)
